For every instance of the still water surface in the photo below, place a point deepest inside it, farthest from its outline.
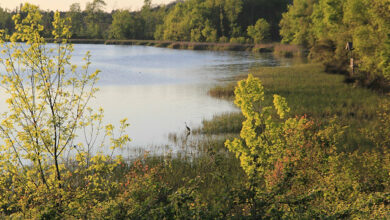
(159, 89)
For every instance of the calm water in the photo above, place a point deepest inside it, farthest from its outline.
(159, 89)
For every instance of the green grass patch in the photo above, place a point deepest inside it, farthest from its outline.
(312, 92)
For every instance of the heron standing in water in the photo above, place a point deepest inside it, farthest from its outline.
(188, 128)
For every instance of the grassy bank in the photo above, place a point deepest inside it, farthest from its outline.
(311, 91)
(277, 48)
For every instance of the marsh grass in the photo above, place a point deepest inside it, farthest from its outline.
(226, 123)
(223, 91)
(219, 175)
(201, 157)
(289, 50)
(312, 92)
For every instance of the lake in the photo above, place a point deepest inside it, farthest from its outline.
(159, 90)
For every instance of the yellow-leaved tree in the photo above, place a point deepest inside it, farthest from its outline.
(282, 156)
(48, 104)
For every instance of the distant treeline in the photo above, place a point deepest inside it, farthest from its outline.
(236, 21)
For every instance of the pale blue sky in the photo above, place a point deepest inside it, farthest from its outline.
(63, 5)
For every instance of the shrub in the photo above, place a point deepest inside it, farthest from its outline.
(294, 169)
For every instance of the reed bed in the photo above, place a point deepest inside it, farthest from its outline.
(321, 96)
(289, 50)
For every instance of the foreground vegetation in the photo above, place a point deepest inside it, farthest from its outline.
(283, 164)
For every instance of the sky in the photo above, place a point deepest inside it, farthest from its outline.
(63, 5)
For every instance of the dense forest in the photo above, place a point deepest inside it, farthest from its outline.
(192, 20)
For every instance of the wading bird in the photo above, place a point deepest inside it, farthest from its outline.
(188, 128)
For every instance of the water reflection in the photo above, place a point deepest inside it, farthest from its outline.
(141, 65)
(160, 89)
(155, 110)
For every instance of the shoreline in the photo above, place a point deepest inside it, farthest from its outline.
(284, 50)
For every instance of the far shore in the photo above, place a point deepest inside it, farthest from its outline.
(286, 50)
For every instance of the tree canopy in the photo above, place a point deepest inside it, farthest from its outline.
(189, 20)
(325, 26)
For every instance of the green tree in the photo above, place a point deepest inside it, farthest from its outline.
(201, 20)
(329, 35)
(260, 31)
(175, 25)
(76, 18)
(122, 26)
(147, 20)
(46, 21)
(94, 18)
(253, 10)
(209, 33)
(48, 104)
(6, 20)
(295, 26)
(325, 26)
(233, 8)
(136, 25)
(369, 27)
